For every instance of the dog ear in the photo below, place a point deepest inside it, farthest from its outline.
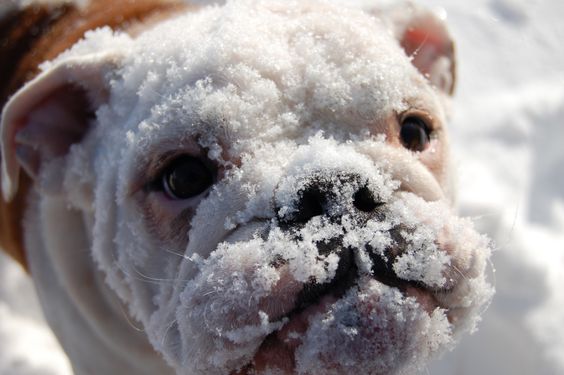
(425, 39)
(50, 113)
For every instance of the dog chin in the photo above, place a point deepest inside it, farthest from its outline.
(262, 303)
(362, 331)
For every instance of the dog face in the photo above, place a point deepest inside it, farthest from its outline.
(265, 185)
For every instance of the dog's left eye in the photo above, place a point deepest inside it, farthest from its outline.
(186, 177)
(415, 134)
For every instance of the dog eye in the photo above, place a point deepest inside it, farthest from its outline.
(415, 134)
(186, 177)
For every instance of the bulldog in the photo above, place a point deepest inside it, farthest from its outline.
(261, 187)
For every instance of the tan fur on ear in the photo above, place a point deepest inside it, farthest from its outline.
(39, 33)
(11, 216)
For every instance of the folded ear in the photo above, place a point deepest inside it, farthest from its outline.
(50, 113)
(426, 40)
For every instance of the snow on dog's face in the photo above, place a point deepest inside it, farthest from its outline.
(268, 186)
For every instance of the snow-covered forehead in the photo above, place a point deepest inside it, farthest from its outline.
(265, 70)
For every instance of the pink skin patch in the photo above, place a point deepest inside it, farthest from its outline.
(49, 129)
(424, 47)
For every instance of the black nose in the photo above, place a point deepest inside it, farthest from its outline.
(331, 195)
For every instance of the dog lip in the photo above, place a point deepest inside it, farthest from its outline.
(345, 277)
(383, 272)
(424, 295)
(278, 348)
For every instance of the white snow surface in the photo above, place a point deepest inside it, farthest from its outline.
(506, 136)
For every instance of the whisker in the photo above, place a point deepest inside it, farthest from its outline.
(183, 256)
(209, 293)
(457, 270)
(147, 278)
(129, 320)
(509, 235)
(142, 277)
(126, 272)
(493, 272)
(168, 328)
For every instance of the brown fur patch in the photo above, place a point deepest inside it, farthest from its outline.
(39, 33)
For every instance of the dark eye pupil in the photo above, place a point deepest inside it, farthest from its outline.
(186, 177)
(414, 134)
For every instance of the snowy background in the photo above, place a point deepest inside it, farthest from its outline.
(508, 143)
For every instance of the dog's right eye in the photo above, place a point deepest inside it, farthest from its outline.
(186, 177)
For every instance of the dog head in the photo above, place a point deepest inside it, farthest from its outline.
(265, 185)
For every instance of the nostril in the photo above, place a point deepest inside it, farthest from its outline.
(364, 200)
(328, 194)
(310, 205)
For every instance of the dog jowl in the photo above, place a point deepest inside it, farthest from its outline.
(261, 187)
